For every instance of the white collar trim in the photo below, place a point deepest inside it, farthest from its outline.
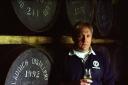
(91, 52)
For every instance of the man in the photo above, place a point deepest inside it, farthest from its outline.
(82, 65)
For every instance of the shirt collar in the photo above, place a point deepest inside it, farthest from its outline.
(90, 52)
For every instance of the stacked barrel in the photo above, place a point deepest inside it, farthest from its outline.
(35, 33)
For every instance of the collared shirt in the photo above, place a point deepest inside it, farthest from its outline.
(82, 54)
(96, 65)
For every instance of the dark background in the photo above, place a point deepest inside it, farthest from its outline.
(11, 25)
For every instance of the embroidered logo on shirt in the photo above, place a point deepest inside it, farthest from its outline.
(96, 64)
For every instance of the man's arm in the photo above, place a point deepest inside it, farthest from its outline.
(108, 77)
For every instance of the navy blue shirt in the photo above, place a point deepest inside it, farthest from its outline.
(73, 69)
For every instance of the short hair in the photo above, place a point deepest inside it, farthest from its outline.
(79, 25)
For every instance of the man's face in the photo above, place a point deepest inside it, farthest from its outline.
(83, 39)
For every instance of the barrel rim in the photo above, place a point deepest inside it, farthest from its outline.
(41, 50)
(46, 27)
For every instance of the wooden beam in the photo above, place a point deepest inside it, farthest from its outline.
(5, 39)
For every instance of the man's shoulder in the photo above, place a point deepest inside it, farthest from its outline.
(99, 56)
